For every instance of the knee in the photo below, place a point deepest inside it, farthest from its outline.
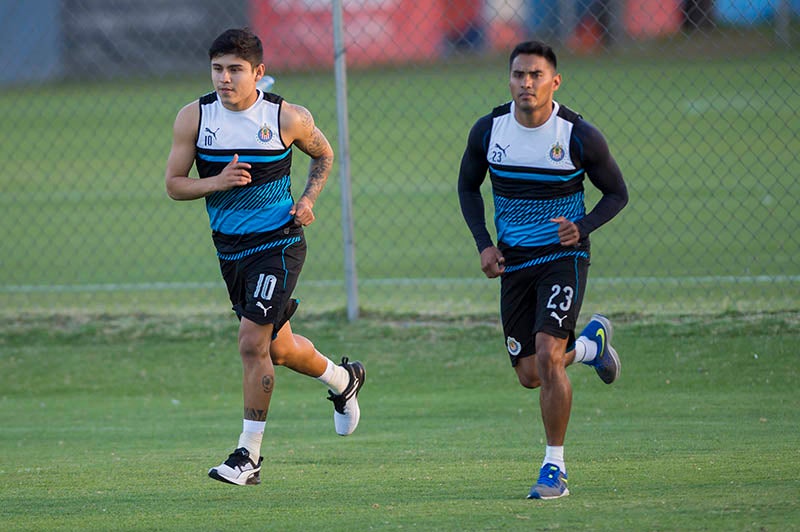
(278, 355)
(549, 363)
(251, 350)
(527, 373)
(282, 349)
(529, 381)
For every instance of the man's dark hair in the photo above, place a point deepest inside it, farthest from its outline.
(534, 48)
(242, 43)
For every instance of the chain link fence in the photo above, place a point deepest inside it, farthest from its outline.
(698, 100)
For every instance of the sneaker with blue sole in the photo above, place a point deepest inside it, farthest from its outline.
(552, 483)
(606, 363)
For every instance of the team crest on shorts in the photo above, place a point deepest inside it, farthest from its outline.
(557, 152)
(264, 134)
(513, 346)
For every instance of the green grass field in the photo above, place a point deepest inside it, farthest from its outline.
(111, 424)
(120, 382)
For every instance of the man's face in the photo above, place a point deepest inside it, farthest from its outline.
(532, 82)
(235, 80)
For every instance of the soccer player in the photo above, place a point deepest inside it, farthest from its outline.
(538, 154)
(240, 139)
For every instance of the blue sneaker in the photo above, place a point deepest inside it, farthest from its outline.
(552, 483)
(606, 363)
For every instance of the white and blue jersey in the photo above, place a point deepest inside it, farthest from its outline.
(537, 174)
(533, 177)
(245, 219)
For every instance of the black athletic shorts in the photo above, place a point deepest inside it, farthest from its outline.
(542, 298)
(260, 284)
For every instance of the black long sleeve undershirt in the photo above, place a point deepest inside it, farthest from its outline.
(470, 178)
(603, 172)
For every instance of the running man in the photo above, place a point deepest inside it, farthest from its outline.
(538, 154)
(240, 139)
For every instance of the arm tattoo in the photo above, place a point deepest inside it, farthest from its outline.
(306, 119)
(255, 414)
(318, 172)
(316, 146)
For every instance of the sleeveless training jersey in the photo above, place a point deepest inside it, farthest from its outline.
(537, 174)
(534, 177)
(243, 219)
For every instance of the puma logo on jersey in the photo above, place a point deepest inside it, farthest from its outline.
(260, 305)
(499, 153)
(560, 320)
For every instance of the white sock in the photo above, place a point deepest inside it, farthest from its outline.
(585, 350)
(251, 436)
(336, 377)
(555, 455)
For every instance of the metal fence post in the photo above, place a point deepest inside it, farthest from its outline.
(340, 71)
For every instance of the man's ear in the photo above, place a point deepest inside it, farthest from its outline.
(260, 71)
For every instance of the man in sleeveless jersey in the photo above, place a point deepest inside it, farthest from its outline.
(538, 154)
(240, 140)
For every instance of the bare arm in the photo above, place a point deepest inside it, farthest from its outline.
(181, 158)
(299, 128)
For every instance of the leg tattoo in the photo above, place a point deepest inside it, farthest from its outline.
(267, 382)
(255, 414)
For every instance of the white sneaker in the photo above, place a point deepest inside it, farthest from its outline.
(345, 405)
(238, 469)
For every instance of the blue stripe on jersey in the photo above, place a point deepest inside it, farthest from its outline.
(246, 222)
(244, 158)
(546, 258)
(525, 222)
(254, 209)
(534, 176)
(268, 245)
